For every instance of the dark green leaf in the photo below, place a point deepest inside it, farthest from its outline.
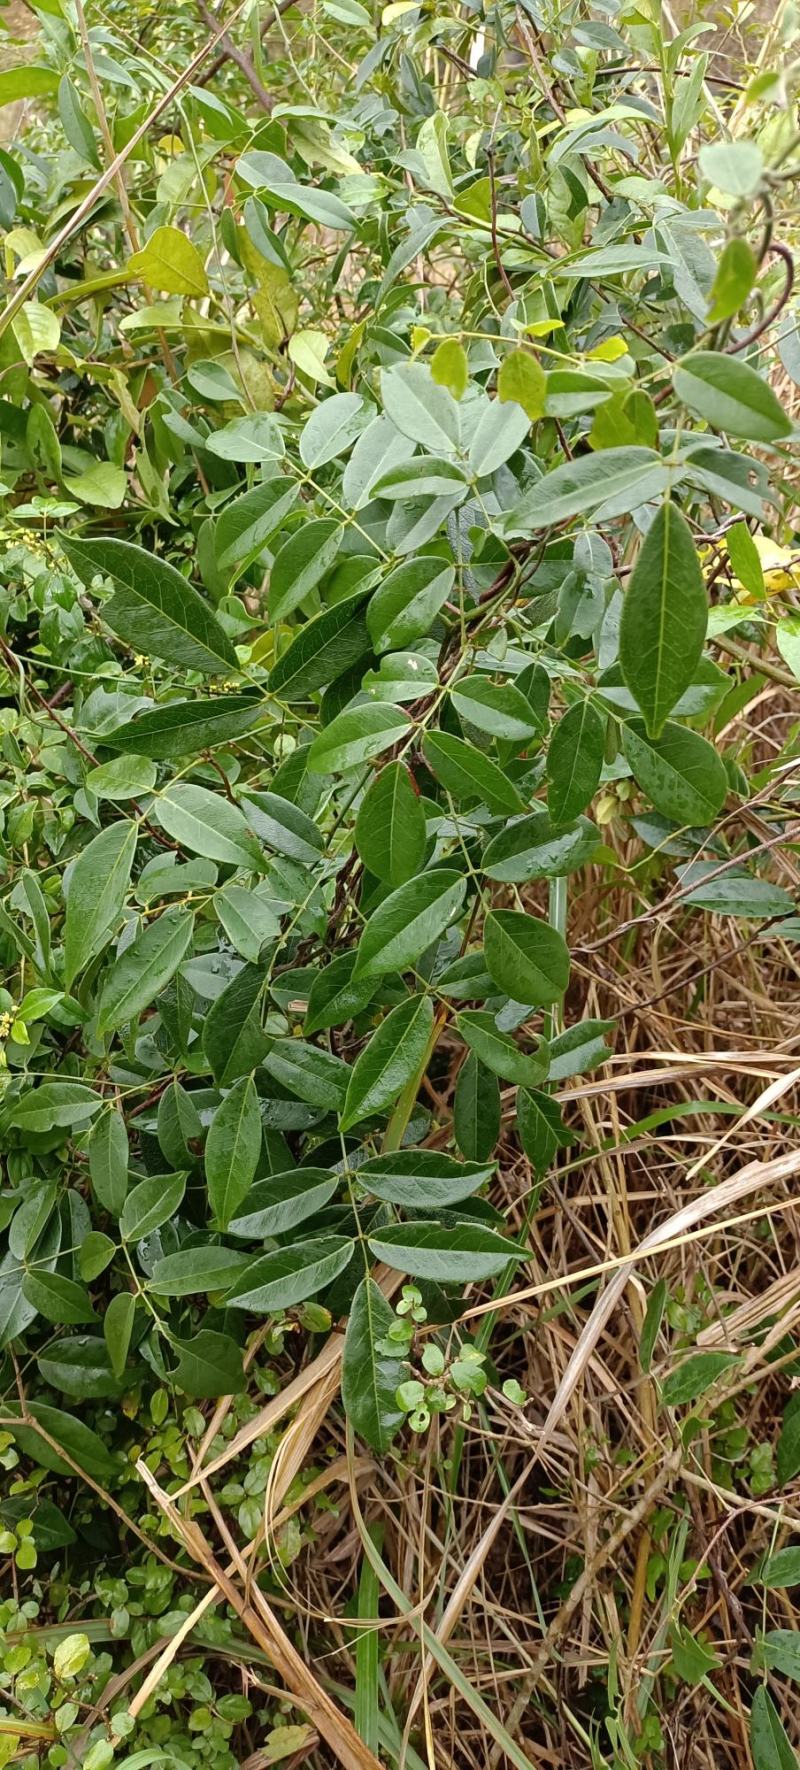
(476, 1109)
(408, 922)
(108, 1161)
(144, 968)
(153, 608)
(290, 1275)
(694, 1377)
(526, 957)
(282, 1201)
(422, 1179)
(769, 1743)
(208, 1365)
(232, 1149)
(467, 773)
(57, 1298)
(323, 650)
(94, 891)
(499, 1052)
(370, 1377)
(356, 737)
(680, 772)
(184, 728)
(389, 1061)
(531, 848)
(458, 1254)
(664, 618)
(574, 761)
(390, 832)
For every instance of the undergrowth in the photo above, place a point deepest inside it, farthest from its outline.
(399, 1288)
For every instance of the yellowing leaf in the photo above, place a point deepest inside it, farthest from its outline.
(170, 261)
(308, 350)
(36, 329)
(523, 379)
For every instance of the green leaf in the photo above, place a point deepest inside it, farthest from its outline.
(336, 995)
(653, 1317)
(421, 410)
(300, 564)
(694, 1377)
(281, 1202)
(499, 708)
(54, 1106)
(527, 958)
(459, 1254)
(234, 1039)
(290, 1275)
(735, 167)
(57, 1298)
(579, 1049)
(467, 773)
(426, 476)
(75, 123)
(94, 890)
(150, 1204)
(613, 481)
(736, 275)
(370, 1377)
(333, 428)
(248, 921)
(574, 761)
(680, 772)
(281, 825)
(781, 1569)
(745, 559)
(184, 728)
(209, 1365)
(733, 893)
(208, 824)
(356, 737)
(254, 438)
(144, 968)
(389, 1061)
(246, 524)
(422, 1179)
(323, 650)
(664, 618)
(408, 921)
(503, 426)
(26, 82)
(787, 1460)
(178, 1127)
(170, 261)
(197, 1270)
(769, 1743)
(530, 848)
(779, 1651)
(313, 1075)
(432, 146)
(730, 396)
(476, 1109)
(408, 601)
(96, 1253)
(109, 1156)
(77, 1441)
(500, 1053)
(522, 379)
(233, 1146)
(125, 777)
(153, 609)
(80, 1367)
(787, 637)
(541, 1128)
(390, 833)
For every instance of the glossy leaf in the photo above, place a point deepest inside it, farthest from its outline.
(390, 832)
(664, 619)
(153, 608)
(393, 1056)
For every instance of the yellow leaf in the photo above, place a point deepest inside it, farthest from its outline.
(170, 261)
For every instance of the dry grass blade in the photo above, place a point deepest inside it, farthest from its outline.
(262, 1624)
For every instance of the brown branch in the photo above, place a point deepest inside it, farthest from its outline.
(219, 61)
(230, 52)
